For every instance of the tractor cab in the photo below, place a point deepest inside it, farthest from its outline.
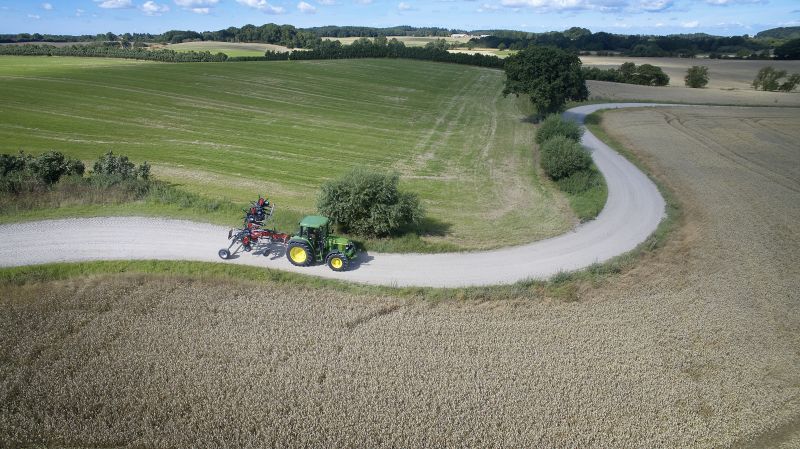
(313, 243)
(315, 229)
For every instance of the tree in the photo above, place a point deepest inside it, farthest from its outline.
(549, 76)
(696, 76)
(650, 75)
(788, 50)
(767, 78)
(369, 203)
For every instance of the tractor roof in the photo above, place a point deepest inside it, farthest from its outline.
(314, 221)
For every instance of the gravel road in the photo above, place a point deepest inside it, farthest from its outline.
(632, 212)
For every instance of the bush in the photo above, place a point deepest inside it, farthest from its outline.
(790, 84)
(696, 76)
(579, 181)
(120, 166)
(554, 125)
(767, 78)
(10, 163)
(369, 203)
(561, 157)
(24, 172)
(51, 166)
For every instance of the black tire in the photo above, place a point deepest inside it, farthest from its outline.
(224, 254)
(293, 254)
(247, 248)
(337, 261)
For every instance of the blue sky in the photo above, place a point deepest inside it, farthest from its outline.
(723, 17)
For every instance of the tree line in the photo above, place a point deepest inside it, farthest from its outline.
(270, 33)
(573, 39)
(112, 52)
(357, 31)
(583, 40)
(629, 73)
(381, 47)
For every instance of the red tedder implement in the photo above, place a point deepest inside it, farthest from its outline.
(253, 235)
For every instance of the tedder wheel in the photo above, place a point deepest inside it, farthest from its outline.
(299, 254)
(337, 262)
(224, 254)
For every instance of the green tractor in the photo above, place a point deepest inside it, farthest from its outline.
(314, 243)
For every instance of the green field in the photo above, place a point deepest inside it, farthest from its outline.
(282, 128)
(229, 48)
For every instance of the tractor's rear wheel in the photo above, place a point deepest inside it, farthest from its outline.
(299, 254)
(337, 262)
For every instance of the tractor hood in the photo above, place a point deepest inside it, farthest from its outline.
(343, 245)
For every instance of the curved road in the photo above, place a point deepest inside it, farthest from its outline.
(632, 212)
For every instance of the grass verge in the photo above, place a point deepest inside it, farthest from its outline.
(102, 196)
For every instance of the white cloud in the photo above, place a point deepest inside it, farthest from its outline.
(151, 8)
(196, 3)
(655, 5)
(403, 6)
(196, 6)
(306, 8)
(488, 7)
(326, 2)
(79, 12)
(47, 6)
(262, 5)
(363, 2)
(114, 4)
(34, 16)
(731, 2)
(567, 5)
(691, 24)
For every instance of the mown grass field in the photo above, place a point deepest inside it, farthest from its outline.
(282, 128)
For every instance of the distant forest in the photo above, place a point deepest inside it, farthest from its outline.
(783, 42)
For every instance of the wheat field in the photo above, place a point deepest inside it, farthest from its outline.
(697, 346)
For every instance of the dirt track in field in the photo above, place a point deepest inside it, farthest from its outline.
(698, 346)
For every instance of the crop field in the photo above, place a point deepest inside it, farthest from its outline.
(229, 48)
(697, 346)
(723, 74)
(282, 128)
(603, 90)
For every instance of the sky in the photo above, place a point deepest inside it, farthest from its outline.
(719, 17)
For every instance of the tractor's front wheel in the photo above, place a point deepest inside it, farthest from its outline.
(337, 262)
(224, 254)
(299, 254)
